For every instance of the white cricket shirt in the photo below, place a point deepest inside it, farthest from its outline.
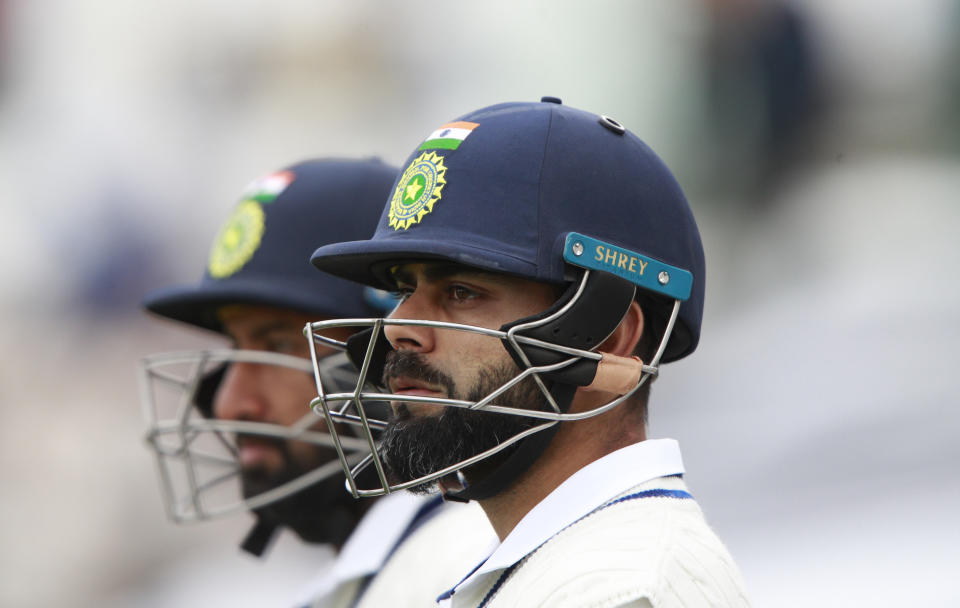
(580, 494)
(367, 548)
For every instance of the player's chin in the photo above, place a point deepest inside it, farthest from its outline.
(397, 475)
(255, 483)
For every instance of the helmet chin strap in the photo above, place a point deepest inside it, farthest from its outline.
(583, 317)
(259, 537)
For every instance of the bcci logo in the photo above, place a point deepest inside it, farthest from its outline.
(418, 191)
(237, 240)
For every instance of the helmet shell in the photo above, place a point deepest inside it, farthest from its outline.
(501, 187)
(261, 255)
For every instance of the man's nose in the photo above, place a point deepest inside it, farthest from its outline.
(412, 337)
(240, 396)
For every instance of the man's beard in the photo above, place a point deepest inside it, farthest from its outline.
(323, 512)
(413, 447)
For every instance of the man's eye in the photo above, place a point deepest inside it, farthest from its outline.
(461, 293)
(285, 345)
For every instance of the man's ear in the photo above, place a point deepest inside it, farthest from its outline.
(623, 341)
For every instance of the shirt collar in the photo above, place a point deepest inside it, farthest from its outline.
(581, 493)
(369, 544)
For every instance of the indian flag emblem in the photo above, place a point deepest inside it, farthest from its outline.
(418, 191)
(449, 136)
(268, 187)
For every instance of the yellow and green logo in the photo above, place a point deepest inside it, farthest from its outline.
(237, 240)
(418, 190)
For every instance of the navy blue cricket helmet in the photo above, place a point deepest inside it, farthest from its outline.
(256, 257)
(503, 187)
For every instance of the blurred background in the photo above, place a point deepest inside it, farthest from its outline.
(818, 143)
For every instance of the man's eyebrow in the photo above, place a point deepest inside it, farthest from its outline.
(272, 326)
(264, 329)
